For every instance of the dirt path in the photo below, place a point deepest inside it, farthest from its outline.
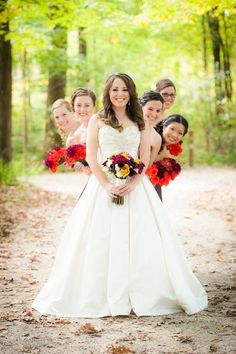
(202, 205)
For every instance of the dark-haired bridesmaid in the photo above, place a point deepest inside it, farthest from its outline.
(152, 105)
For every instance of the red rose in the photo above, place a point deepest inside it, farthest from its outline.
(175, 149)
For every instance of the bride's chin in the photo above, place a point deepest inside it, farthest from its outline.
(121, 105)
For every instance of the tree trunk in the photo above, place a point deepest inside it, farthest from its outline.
(25, 102)
(204, 42)
(206, 88)
(226, 59)
(5, 90)
(213, 22)
(56, 83)
(82, 43)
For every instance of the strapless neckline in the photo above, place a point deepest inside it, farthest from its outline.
(116, 130)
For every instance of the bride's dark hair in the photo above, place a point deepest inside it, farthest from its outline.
(133, 109)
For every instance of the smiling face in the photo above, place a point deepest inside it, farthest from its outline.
(152, 111)
(168, 94)
(83, 107)
(118, 93)
(173, 133)
(63, 117)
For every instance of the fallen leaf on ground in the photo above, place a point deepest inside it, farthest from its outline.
(184, 339)
(121, 349)
(88, 328)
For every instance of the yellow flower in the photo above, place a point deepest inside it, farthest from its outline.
(124, 154)
(137, 160)
(123, 172)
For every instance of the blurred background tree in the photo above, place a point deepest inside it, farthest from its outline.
(57, 47)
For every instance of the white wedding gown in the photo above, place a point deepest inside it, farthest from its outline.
(116, 258)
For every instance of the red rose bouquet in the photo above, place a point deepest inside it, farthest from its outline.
(122, 165)
(54, 158)
(70, 155)
(76, 153)
(164, 171)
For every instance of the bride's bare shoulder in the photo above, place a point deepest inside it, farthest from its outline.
(97, 121)
(94, 121)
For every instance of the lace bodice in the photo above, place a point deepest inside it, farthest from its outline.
(112, 141)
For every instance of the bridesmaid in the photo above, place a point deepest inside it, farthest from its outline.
(65, 121)
(152, 106)
(167, 90)
(172, 130)
(83, 101)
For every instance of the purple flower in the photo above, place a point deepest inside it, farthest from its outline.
(71, 151)
(48, 162)
(119, 159)
(140, 168)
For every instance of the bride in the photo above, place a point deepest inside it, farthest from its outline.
(116, 258)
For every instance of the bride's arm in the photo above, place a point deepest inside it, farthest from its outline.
(91, 156)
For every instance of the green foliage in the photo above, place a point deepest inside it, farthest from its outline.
(7, 174)
(146, 39)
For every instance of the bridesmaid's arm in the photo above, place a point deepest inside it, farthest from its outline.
(91, 156)
(161, 155)
(144, 149)
(155, 146)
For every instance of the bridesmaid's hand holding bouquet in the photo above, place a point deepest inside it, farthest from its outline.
(163, 171)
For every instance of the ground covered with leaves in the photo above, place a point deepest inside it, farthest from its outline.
(201, 203)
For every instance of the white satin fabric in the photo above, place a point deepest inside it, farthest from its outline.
(116, 258)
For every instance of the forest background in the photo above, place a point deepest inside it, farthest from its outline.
(49, 48)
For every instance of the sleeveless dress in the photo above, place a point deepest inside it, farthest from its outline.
(116, 258)
(79, 134)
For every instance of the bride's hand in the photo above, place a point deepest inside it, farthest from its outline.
(112, 190)
(129, 186)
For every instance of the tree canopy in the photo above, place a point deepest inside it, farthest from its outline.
(149, 40)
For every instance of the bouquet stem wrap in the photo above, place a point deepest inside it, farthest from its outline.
(119, 199)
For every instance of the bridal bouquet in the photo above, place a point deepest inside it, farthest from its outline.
(71, 155)
(122, 165)
(164, 171)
